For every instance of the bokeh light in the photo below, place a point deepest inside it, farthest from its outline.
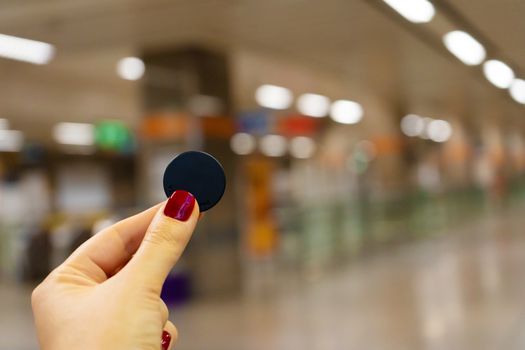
(346, 112)
(242, 143)
(131, 68)
(273, 145)
(274, 97)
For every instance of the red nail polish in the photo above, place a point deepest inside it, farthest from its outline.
(180, 205)
(166, 340)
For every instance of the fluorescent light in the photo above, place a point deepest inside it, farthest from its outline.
(313, 105)
(131, 68)
(517, 90)
(439, 130)
(346, 112)
(462, 45)
(302, 147)
(4, 124)
(273, 145)
(25, 50)
(11, 140)
(498, 73)
(242, 143)
(426, 122)
(79, 134)
(272, 96)
(416, 11)
(412, 125)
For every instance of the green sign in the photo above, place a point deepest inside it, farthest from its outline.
(112, 135)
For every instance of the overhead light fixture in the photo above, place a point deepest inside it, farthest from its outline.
(11, 140)
(424, 134)
(313, 105)
(498, 73)
(274, 97)
(517, 90)
(439, 130)
(302, 147)
(131, 68)
(77, 134)
(25, 50)
(462, 45)
(242, 143)
(416, 11)
(346, 112)
(412, 125)
(4, 124)
(273, 145)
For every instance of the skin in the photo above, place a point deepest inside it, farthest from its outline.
(106, 295)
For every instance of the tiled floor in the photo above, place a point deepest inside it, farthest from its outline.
(464, 290)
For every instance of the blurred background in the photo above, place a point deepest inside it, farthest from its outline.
(374, 151)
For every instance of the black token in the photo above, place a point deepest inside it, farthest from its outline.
(198, 173)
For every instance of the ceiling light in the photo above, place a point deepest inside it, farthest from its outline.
(11, 140)
(462, 45)
(131, 68)
(273, 145)
(79, 134)
(517, 90)
(272, 96)
(242, 143)
(25, 50)
(416, 11)
(313, 105)
(439, 130)
(346, 112)
(424, 133)
(498, 73)
(302, 147)
(412, 125)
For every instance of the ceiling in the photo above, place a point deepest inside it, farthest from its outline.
(354, 38)
(502, 23)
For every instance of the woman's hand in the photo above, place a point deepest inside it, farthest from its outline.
(106, 295)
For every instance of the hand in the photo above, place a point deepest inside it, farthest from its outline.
(106, 295)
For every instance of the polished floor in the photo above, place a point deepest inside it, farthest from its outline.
(463, 289)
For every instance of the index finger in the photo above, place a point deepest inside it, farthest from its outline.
(100, 256)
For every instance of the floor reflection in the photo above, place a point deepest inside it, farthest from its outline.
(461, 290)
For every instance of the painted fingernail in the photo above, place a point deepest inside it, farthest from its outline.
(180, 205)
(166, 339)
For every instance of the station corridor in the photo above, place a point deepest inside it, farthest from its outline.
(367, 169)
(461, 289)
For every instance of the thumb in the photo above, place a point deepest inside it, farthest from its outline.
(164, 241)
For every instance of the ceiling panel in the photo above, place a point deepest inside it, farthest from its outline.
(350, 38)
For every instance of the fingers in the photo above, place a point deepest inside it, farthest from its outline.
(101, 256)
(169, 333)
(169, 336)
(164, 312)
(164, 242)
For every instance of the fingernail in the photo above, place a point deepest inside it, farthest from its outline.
(180, 205)
(166, 339)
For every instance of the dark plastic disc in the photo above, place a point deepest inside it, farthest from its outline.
(198, 173)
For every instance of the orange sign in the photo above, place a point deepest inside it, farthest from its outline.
(165, 126)
(221, 127)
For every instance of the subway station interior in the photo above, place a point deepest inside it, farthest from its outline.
(374, 153)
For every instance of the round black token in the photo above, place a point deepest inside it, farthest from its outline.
(198, 173)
